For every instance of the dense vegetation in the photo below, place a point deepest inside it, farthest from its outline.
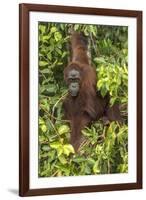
(105, 148)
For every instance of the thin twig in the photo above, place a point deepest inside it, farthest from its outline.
(109, 166)
(93, 44)
(55, 173)
(43, 75)
(54, 129)
(84, 143)
(62, 97)
(47, 113)
(62, 120)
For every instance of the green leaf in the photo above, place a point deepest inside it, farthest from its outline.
(55, 145)
(93, 29)
(62, 159)
(103, 91)
(91, 161)
(45, 38)
(60, 151)
(63, 129)
(79, 159)
(50, 90)
(96, 169)
(45, 71)
(58, 51)
(64, 54)
(43, 63)
(57, 36)
(53, 29)
(76, 27)
(99, 60)
(49, 56)
(87, 170)
(67, 149)
(100, 83)
(41, 121)
(45, 148)
(42, 28)
(44, 128)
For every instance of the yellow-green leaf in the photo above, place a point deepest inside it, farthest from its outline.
(55, 145)
(59, 151)
(44, 128)
(68, 148)
(43, 63)
(57, 36)
(62, 159)
(53, 29)
(63, 129)
(41, 121)
(96, 169)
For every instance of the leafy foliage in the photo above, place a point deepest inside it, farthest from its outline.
(105, 148)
